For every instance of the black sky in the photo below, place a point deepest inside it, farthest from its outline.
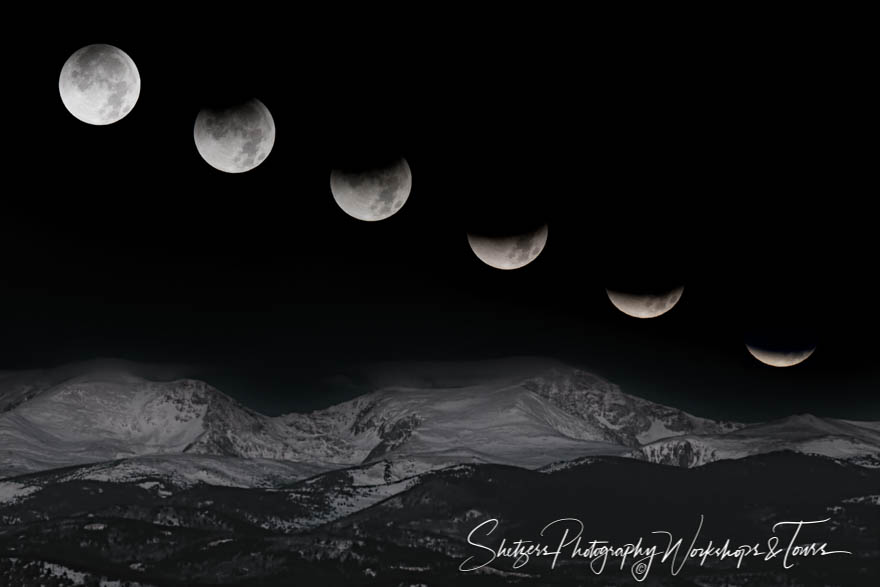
(728, 159)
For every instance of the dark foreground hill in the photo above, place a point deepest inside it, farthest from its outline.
(366, 525)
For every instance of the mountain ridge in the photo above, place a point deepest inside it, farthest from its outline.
(536, 413)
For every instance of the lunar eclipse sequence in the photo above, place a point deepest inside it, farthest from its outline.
(100, 85)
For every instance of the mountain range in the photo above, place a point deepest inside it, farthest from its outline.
(522, 412)
(118, 473)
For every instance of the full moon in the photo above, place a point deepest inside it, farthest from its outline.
(509, 252)
(644, 306)
(778, 358)
(235, 139)
(99, 84)
(373, 194)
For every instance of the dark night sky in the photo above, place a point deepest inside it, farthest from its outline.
(731, 160)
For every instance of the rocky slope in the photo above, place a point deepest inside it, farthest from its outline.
(857, 442)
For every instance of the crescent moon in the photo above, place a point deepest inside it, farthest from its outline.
(509, 252)
(644, 305)
(780, 359)
(374, 194)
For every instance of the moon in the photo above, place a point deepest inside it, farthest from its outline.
(235, 139)
(643, 305)
(99, 84)
(509, 252)
(373, 194)
(778, 358)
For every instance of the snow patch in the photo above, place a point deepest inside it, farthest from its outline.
(12, 492)
(866, 499)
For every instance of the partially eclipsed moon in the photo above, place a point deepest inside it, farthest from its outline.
(644, 305)
(511, 252)
(235, 139)
(99, 84)
(372, 195)
(780, 359)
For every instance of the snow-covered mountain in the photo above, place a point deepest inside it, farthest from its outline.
(616, 416)
(107, 412)
(852, 441)
(522, 412)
